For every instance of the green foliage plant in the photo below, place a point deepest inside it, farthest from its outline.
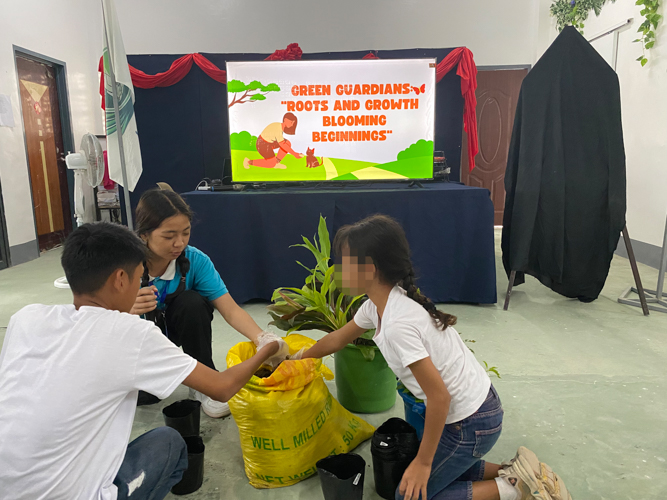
(648, 27)
(320, 304)
(575, 12)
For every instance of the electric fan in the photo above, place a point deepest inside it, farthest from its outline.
(88, 166)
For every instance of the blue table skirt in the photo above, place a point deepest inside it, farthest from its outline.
(248, 234)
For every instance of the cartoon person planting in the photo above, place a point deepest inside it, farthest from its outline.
(271, 139)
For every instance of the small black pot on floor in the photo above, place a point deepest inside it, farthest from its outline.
(342, 476)
(193, 477)
(394, 446)
(183, 416)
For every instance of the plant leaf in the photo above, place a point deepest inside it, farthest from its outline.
(323, 234)
(368, 352)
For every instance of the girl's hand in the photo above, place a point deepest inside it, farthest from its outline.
(415, 480)
(146, 301)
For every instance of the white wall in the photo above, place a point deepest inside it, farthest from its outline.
(644, 108)
(67, 30)
(496, 32)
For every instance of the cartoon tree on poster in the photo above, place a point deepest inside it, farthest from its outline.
(253, 91)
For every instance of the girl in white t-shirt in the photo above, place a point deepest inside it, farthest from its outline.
(463, 411)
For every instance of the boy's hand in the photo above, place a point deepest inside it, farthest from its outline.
(270, 348)
(280, 354)
(146, 301)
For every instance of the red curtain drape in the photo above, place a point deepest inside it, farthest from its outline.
(460, 57)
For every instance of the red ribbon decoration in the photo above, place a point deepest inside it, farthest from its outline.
(460, 57)
(467, 70)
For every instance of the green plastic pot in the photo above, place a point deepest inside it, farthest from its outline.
(364, 386)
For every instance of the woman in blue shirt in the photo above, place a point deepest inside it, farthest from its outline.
(181, 286)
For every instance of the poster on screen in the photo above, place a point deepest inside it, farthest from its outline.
(331, 120)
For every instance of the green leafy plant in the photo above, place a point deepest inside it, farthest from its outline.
(319, 304)
(648, 27)
(575, 12)
(251, 92)
(489, 369)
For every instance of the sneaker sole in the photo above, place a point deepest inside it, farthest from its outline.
(217, 415)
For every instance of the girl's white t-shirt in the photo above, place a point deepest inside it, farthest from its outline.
(408, 334)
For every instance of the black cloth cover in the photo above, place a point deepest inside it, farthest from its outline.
(565, 178)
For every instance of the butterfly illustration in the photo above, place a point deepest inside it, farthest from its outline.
(420, 90)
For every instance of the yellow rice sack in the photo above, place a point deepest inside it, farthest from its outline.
(289, 421)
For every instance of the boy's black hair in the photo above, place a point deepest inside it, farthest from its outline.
(94, 251)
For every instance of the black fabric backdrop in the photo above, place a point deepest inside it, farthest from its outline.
(565, 178)
(449, 227)
(184, 132)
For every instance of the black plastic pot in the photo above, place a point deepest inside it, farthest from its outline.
(183, 416)
(394, 446)
(193, 477)
(342, 476)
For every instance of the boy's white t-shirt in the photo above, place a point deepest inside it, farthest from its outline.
(68, 392)
(408, 334)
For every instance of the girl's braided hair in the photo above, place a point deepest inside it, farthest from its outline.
(382, 239)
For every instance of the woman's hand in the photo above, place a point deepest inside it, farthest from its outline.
(146, 301)
(415, 480)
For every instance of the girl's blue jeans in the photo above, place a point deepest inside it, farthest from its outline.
(457, 462)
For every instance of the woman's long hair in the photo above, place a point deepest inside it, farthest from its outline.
(383, 240)
(155, 206)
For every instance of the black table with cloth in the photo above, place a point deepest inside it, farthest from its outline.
(248, 234)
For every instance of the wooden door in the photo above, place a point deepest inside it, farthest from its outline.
(46, 155)
(497, 95)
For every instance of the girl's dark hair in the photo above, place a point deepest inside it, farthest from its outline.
(155, 206)
(382, 239)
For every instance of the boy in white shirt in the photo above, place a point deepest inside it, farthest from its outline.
(70, 375)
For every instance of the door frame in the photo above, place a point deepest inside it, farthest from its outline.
(60, 68)
(502, 67)
(499, 67)
(5, 259)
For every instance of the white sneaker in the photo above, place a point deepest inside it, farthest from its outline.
(535, 477)
(510, 485)
(213, 408)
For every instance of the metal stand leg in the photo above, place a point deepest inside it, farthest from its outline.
(654, 300)
(638, 282)
(509, 290)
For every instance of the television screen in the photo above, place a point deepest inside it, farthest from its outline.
(331, 120)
